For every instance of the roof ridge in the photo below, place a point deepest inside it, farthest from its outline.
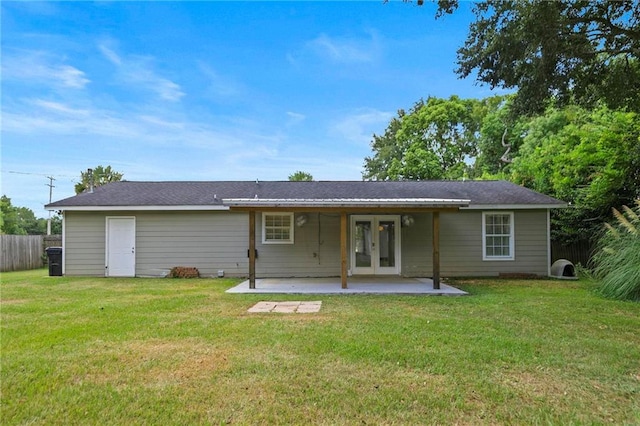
(210, 193)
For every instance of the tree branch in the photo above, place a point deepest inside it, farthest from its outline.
(505, 157)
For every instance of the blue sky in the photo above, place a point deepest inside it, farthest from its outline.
(212, 90)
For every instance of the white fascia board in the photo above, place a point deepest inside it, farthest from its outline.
(138, 208)
(513, 206)
(345, 202)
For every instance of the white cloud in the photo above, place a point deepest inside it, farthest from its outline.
(343, 50)
(52, 118)
(167, 89)
(346, 50)
(360, 125)
(69, 76)
(58, 107)
(139, 71)
(220, 85)
(295, 118)
(161, 122)
(110, 55)
(42, 68)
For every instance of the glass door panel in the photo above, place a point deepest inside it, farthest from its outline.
(386, 244)
(363, 244)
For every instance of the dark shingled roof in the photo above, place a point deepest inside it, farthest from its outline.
(138, 194)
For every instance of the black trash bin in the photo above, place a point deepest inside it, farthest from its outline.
(55, 261)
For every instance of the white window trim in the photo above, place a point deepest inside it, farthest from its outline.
(512, 241)
(264, 228)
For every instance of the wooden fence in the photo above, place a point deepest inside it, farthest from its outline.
(578, 252)
(21, 252)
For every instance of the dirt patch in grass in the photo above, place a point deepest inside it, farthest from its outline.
(536, 385)
(12, 302)
(159, 363)
(555, 392)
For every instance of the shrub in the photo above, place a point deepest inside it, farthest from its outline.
(617, 261)
(183, 272)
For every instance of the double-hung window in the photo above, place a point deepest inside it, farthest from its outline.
(497, 236)
(277, 228)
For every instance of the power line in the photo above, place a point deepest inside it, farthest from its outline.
(35, 174)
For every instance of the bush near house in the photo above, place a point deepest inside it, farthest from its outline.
(617, 262)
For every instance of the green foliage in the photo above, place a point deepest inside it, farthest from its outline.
(416, 164)
(561, 51)
(501, 135)
(435, 140)
(300, 176)
(22, 221)
(101, 175)
(617, 262)
(56, 224)
(386, 148)
(28, 222)
(10, 219)
(588, 158)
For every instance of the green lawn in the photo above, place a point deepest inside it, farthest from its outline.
(162, 351)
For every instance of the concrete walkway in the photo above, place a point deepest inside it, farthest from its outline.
(287, 307)
(356, 285)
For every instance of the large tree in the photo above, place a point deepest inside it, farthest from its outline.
(501, 136)
(98, 176)
(386, 149)
(562, 51)
(437, 139)
(590, 159)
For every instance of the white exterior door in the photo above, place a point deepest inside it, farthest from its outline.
(121, 247)
(375, 245)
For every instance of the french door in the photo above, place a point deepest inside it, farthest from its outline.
(375, 245)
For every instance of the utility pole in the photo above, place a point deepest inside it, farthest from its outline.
(51, 186)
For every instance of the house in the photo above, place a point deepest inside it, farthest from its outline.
(308, 229)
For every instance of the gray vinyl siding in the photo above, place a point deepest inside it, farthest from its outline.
(84, 245)
(315, 252)
(461, 245)
(417, 247)
(209, 241)
(212, 241)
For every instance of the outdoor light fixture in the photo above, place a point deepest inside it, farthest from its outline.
(301, 220)
(407, 220)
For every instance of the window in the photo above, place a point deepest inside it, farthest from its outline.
(277, 228)
(497, 236)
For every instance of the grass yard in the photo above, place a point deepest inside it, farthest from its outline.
(163, 351)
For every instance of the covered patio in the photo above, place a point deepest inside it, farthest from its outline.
(347, 208)
(357, 285)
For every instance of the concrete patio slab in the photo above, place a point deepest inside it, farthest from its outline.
(356, 285)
